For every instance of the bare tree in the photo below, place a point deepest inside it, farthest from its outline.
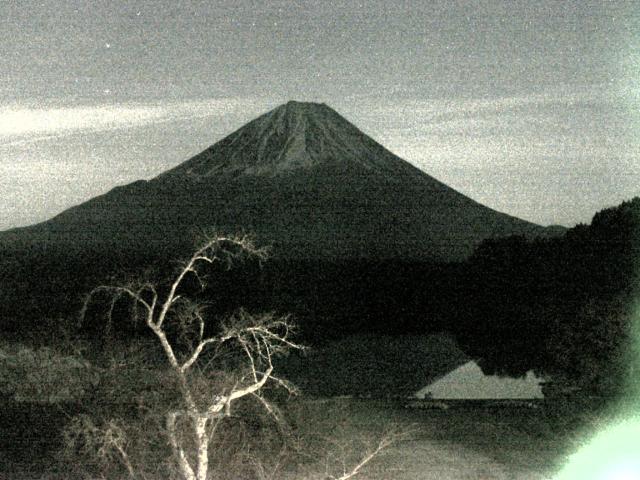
(180, 326)
(353, 469)
(260, 338)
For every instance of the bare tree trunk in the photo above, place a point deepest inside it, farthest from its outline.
(203, 447)
(183, 463)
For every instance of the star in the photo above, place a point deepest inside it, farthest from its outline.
(107, 45)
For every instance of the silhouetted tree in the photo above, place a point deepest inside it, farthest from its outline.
(559, 306)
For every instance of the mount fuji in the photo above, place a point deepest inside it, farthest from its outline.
(300, 178)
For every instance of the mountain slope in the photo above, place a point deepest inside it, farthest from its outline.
(301, 178)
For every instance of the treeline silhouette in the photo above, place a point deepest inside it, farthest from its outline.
(560, 306)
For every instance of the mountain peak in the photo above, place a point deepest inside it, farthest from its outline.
(300, 178)
(293, 136)
(306, 106)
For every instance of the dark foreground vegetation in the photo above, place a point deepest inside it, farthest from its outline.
(471, 441)
(104, 396)
(561, 306)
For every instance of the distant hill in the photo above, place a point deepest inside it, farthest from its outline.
(565, 307)
(300, 178)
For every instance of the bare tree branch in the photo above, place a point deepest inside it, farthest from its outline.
(383, 443)
(196, 353)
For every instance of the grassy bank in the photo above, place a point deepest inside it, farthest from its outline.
(473, 441)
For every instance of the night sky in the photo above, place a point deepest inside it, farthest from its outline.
(531, 108)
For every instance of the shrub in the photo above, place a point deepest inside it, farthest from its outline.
(43, 376)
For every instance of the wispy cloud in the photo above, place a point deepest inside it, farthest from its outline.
(421, 112)
(19, 125)
(549, 123)
(551, 156)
